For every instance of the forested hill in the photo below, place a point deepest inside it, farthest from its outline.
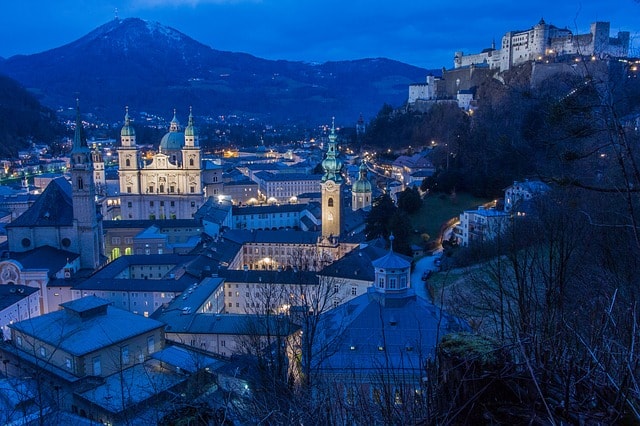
(22, 119)
(561, 129)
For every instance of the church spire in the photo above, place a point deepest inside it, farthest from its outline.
(190, 129)
(79, 142)
(331, 164)
(175, 124)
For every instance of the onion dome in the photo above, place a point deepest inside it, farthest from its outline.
(332, 164)
(174, 139)
(362, 184)
(127, 129)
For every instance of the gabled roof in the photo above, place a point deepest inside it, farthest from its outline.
(160, 223)
(54, 207)
(11, 294)
(287, 276)
(271, 208)
(45, 257)
(243, 236)
(355, 265)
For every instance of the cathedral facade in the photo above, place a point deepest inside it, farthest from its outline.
(168, 185)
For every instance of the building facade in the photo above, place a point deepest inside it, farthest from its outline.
(545, 40)
(168, 185)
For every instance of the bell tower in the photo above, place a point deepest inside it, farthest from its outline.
(331, 188)
(85, 216)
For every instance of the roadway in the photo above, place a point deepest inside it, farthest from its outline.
(423, 264)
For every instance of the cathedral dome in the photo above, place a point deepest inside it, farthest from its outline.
(172, 141)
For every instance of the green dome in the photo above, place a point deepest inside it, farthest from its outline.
(172, 141)
(361, 186)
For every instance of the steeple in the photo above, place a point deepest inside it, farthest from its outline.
(331, 164)
(190, 129)
(127, 129)
(175, 124)
(80, 154)
(331, 189)
(85, 217)
(190, 133)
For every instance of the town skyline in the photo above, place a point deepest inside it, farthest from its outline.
(316, 32)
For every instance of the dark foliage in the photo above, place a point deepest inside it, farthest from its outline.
(23, 120)
(409, 200)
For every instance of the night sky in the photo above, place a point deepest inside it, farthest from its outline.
(419, 32)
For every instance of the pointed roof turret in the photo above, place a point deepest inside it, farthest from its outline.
(127, 129)
(190, 129)
(79, 141)
(391, 260)
(331, 164)
(175, 124)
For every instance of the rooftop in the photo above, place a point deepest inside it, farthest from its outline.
(54, 207)
(82, 335)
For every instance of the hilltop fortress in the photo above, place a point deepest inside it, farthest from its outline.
(546, 40)
(549, 50)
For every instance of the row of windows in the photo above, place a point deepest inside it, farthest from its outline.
(392, 282)
(116, 240)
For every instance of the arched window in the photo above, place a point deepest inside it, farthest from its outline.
(330, 202)
(127, 162)
(161, 188)
(80, 183)
(191, 161)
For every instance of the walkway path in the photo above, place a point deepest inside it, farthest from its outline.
(422, 265)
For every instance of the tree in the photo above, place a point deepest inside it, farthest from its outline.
(409, 200)
(377, 223)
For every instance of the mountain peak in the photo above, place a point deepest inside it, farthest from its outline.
(156, 68)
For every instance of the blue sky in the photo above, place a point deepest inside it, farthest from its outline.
(420, 32)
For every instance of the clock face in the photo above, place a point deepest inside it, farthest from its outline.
(329, 185)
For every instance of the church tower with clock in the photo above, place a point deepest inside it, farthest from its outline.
(331, 188)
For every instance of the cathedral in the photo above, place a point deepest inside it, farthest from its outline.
(59, 234)
(168, 185)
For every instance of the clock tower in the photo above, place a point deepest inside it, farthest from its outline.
(331, 188)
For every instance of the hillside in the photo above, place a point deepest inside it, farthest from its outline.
(155, 68)
(23, 119)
